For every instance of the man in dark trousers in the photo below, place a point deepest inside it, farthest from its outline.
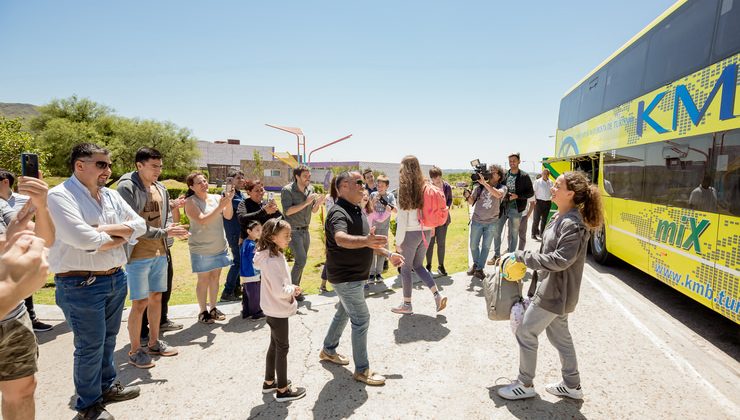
(519, 187)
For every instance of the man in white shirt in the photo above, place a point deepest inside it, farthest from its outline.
(16, 202)
(704, 197)
(93, 224)
(543, 200)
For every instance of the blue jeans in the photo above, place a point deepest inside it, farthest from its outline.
(479, 249)
(352, 307)
(232, 278)
(93, 313)
(299, 242)
(511, 216)
(145, 276)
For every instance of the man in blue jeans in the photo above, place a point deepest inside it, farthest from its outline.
(232, 228)
(349, 253)
(519, 190)
(93, 224)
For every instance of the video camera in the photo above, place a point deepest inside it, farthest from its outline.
(480, 170)
(383, 201)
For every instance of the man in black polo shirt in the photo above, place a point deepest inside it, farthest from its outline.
(349, 250)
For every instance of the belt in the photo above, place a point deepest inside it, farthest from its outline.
(110, 272)
(300, 228)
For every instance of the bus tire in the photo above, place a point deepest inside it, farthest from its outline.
(598, 246)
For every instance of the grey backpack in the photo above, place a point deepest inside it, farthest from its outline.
(500, 294)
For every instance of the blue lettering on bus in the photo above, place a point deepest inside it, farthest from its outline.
(726, 81)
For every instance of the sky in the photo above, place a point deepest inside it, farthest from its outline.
(447, 81)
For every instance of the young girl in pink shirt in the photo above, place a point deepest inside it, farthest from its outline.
(277, 299)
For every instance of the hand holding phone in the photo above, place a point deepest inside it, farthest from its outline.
(30, 165)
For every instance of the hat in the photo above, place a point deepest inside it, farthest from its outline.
(513, 270)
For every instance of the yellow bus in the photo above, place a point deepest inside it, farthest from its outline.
(657, 127)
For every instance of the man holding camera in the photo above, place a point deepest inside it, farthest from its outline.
(16, 202)
(232, 228)
(520, 189)
(486, 198)
(299, 202)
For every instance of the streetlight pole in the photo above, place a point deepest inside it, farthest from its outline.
(300, 139)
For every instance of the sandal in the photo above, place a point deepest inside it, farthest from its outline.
(205, 318)
(217, 315)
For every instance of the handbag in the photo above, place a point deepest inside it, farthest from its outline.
(500, 294)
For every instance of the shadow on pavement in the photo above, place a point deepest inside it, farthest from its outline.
(48, 336)
(270, 409)
(536, 407)
(341, 396)
(418, 327)
(237, 324)
(189, 335)
(710, 325)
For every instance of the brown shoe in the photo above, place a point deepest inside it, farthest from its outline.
(335, 358)
(472, 270)
(370, 378)
(493, 261)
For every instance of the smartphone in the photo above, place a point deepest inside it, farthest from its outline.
(270, 196)
(228, 188)
(30, 165)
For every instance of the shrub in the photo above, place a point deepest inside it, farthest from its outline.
(318, 188)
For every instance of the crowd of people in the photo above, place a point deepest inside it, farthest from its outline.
(86, 234)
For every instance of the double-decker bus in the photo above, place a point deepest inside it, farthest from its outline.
(657, 127)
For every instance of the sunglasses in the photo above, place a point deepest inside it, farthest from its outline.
(360, 182)
(100, 164)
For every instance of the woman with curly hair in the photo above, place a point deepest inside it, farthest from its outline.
(411, 240)
(560, 266)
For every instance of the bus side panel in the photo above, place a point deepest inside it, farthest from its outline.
(684, 254)
(726, 284)
(627, 230)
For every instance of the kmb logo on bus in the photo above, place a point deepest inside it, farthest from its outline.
(668, 229)
(726, 80)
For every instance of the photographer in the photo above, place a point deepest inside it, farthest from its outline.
(486, 199)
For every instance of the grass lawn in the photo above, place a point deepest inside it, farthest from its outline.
(456, 259)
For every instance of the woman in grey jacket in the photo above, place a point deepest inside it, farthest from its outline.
(560, 264)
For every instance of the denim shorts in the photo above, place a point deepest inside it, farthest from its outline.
(206, 263)
(148, 275)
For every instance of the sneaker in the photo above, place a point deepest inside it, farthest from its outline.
(260, 315)
(480, 274)
(561, 390)
(516, 391)
(369, 377)
(335, 358)
(140, 359)
(205, 318)
(290, 394)
(378, 278)
(217, 315)
(493, 260)
(161, 348)
(472, 270)
(94, 412)
(118, 392)
(441, 301)
(403, 309)
(300, 298)
(169, 325)
(429, 267)
(266, 389)
(441, 270)
(229, 297)
(39, 326)
(534, 237)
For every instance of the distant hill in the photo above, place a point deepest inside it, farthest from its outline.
(25, 111)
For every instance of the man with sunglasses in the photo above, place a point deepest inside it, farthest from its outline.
(93, 225)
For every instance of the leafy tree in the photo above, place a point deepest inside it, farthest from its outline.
(14, 141)
(63, 123)
(258, 170)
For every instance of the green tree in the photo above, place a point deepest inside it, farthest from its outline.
(14, 141)
(63, 123)
(258, 171)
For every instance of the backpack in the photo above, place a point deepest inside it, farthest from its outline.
(434, 213)
(500, 294)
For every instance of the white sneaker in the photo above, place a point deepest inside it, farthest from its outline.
(561, 390)
(516, 391)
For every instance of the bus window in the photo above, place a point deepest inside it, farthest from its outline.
(623, 172)
(727, 173)
(624, 76)
(727, 39)
(681, 44)
(678, 173)
(592, 95)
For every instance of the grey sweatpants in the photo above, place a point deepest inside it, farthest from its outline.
(379, 260)
(414, 250)
(535, 321)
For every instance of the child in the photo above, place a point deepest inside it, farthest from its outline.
(277, 296)
(250, 278)
(378, 220)
(384, 204)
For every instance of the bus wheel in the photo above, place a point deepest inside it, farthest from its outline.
(598, 246)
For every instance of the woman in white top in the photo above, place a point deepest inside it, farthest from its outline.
(207, 243)
(411, 242)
